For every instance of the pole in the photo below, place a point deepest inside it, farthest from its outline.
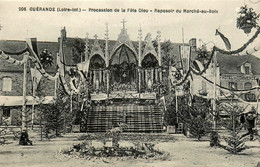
(214, 93)
(257, 100)
(24, 114)
(71, 102)
(33, 93)
(176, 101)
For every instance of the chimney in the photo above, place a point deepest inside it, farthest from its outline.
(63, 34)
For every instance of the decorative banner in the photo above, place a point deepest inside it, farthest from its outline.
(75, 84)
(37, 62)
(36, 77)
(185, 57)
(172, 73)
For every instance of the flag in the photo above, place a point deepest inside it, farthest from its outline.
(225, 39)
(36, 78)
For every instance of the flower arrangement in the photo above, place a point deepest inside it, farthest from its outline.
(247, 19)
(46, 58)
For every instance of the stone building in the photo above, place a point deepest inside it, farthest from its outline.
(233, 72)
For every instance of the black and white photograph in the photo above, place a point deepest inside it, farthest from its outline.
(118, 83)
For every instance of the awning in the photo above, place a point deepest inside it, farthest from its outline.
(18, 100)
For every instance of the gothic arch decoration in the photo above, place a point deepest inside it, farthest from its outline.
(149, 49)
(96, 50)
(123, 39)
(97, 62)
(123, 53)
(149, 61)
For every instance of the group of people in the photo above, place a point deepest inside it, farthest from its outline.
(248, 120)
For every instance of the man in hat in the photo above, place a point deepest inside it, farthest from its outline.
(250, 122)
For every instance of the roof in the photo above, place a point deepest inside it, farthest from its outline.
(230, 64)
(16, 46)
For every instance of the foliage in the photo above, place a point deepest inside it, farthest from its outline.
(168, 57)
(78, 50)
(196, 116)
(233, 110)
(234, 143)
(46, 58)
(247, 16)
(144, 137)
(202, 53)
(56, 115)
(214, 139)
(3, 131)
(144, 150)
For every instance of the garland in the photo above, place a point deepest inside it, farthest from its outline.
(241, 48)
(11, 60)
(16, 53)
(211, 57)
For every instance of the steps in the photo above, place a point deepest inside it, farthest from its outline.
(140, 119)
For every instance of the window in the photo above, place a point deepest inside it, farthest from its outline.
(232, 86)
(247, 86)
(247, 70)
(7, 84)
(6, 112)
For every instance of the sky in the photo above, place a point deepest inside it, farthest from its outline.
(46, 26)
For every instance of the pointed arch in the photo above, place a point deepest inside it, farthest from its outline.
(97, 62)
(123, 39)
(149, 61)
(96, 50)
(149, 49)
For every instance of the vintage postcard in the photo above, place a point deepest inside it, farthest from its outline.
(129, 83)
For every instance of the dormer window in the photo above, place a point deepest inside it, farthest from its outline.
(246, 68)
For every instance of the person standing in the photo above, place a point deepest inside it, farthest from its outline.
(250, 122)
(242, 121)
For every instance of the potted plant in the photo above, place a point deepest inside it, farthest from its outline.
(247, 19)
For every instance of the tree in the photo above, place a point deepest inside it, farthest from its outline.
(56, 115)
(167, 53)
(196, 116)
(78, 50)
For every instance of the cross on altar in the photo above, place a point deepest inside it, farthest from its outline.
(87, 35)
(123, 21)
